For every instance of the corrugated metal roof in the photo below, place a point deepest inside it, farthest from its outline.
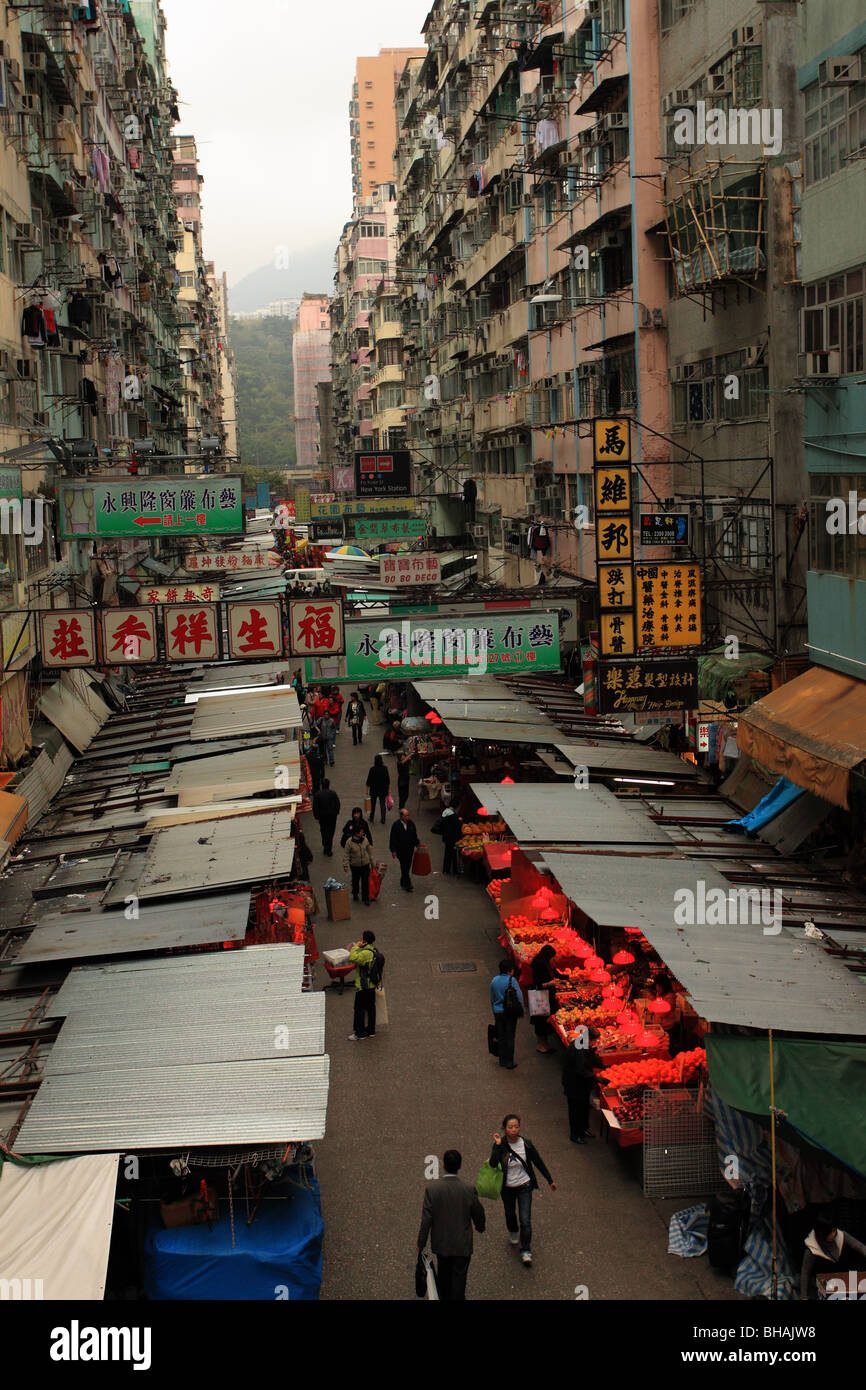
(540, 731)
(472, 688)
(234, 774)
(71, 716)
(252, 674)
(210, 854)
(541, 812)
(226, 1103)
(627, 758)
(74, 935)
(787, 831)
(231, 715)
(732, 974)
(491, 711)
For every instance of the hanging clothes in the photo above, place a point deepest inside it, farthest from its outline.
(52, 337)
(538, 539)
(546, 134)
(33, 326)
(79, 311)
(89, 398)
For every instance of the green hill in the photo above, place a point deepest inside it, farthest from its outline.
(266, 400)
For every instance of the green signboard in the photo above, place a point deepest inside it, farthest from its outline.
(10, 485)
(384, 648)
(152, 506)
(389, 529)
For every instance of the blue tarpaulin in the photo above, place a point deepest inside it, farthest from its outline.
(772, 805)
(278, 1257)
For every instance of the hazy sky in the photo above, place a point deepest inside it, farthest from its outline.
(265, 87)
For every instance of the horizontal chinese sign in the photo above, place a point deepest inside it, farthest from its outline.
(646, 687)
(656, 529)
(383, 475)
(154, 506)
(389, 529)
(402, 571)
(452, 646)
(169, 632)
(370, 506)
(316, 627)
(178, 593)
(202, 561)
(668, 605)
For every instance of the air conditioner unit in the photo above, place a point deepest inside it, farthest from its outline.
(718, 84)
(28, 233)
(839, 72)
(30, 102)
(609, 240)
(35, 60)
(748, 34)
(823, 364)
(628, 399)
(478, 532)
(615, 120)
(13, 70)
(587, 137)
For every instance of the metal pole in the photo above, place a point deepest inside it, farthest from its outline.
(775, 1293)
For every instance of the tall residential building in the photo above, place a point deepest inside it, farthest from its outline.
(198, 316)
(372, 121)
(228, 367)
(311, 357)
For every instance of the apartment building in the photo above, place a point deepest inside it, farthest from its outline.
(198, 312)
(372, 122)
(831, 79)
(311, 354)
(227, 366)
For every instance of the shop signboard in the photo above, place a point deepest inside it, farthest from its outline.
(255, 629)
(343, 477)
(191, 632)
(383, 474)
(67, 637)
(389, 528)
(395, 647)
(203, 561)
(616, 588)
(617, 634)
(658, 529)
(668, 606)
(645, 687)
(303, 511)
(352, 506)
(151, 507)
(129, 636)
(402, 571)
(178, 593)
(316, 627)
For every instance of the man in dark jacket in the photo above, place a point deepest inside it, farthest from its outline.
(404, 762)
(403, 842)
(326, 808)
(451, 1208)
(350, 826)
(317, 769)
(450, 827)
(577, 1082)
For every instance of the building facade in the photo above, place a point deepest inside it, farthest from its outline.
(311, 361)
(372, 122)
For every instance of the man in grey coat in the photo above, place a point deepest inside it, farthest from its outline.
(451, 1208)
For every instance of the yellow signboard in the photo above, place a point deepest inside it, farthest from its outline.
(612, 490)
(617, 634)
(668, 606)
(614, 539)
(612, 441)
(616, 587)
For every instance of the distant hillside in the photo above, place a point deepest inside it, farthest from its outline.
(266, 398)
(311, 270)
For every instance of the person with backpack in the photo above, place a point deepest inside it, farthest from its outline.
(369, 965)
(359, 860)
(518, 1158)
(507, 1002)
(450, 827)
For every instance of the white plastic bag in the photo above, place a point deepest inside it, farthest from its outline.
(432, 1290)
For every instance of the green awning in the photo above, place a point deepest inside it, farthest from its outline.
(819, 1087)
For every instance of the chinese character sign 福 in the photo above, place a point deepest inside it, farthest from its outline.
(316, 627)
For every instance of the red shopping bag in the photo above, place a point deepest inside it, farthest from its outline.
(377, 873)
(421, 861)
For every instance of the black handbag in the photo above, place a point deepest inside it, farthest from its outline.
(420, 1278)
(492, 1040)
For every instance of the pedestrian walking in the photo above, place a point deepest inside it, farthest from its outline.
(335, 707)
(303, 856)
(450, 827)
(320, 705)
(403, 843)
(369, 964)
(355, 716)
(326, 808)
(378, 785)
(298, 686)
(327, 737)
(578, 1078)
(507, 1003)
(404, 763)
(451, 1209)
(359, 861)
(315, 764)
(518, 1158)
(544, 978)
(350, 826)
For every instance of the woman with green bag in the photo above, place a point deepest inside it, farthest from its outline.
(518, 1158)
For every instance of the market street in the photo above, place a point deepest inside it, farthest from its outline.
(426, 1083)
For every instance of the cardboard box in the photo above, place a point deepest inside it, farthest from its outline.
(338, 904)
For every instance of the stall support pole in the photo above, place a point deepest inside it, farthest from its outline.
(773, 1165)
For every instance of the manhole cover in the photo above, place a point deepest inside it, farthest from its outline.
(457, 967)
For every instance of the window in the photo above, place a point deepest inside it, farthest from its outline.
(845, 553)
(187, 279)
(38, 557)
(389, 353)
(367, 265)
(389, 396)
(833, 318)
(8, 565)
(672, 11)
(705, 391)
(835, 128)
(743, 537)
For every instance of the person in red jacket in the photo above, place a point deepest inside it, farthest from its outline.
(320, 706)
(335, 706)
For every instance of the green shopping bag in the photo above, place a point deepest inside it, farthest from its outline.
(489, 1182)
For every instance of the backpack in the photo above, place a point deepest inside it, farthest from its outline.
(375, 969)
(511, 1005)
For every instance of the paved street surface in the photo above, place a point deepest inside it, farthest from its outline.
(426, 1083)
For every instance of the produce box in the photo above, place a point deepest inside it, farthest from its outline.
(338, 904)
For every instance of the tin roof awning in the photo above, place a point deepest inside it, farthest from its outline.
(57, 1219)
(602, 94)
(812, 731)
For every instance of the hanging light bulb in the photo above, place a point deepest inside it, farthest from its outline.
(623, 958)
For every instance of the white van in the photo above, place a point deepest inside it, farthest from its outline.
(307, 579)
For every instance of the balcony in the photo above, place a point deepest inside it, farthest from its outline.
(380, 376)
(493, 415)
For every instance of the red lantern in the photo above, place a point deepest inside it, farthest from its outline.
(623, 958)
(482, 811)
(593, 962)
(582, 951)
(631, 1024)
(647, 1040)
(600, 977)
(613, 990)
(658, 1006)
(550, 914)
(539, 900)
(507, 781)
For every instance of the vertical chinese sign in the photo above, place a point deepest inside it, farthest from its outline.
(614, 539)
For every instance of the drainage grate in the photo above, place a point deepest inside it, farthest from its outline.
(457, 967)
